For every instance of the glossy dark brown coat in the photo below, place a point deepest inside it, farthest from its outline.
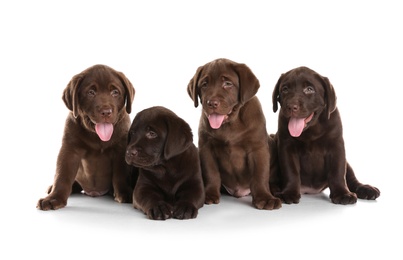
(310, 141)
(170, 183)
(233, 141)
(99, 94)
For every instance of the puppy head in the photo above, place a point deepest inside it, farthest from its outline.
(303, 95)
(222, 86)
(98, 95)
(156, 135)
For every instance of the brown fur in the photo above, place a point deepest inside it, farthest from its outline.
(169, 182)
(85, 162)
(314, 159)
(236, 154)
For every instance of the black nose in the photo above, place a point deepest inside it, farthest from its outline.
(213, 103)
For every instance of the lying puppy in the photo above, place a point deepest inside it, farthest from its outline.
(92, 154)
(169, 182)
(233, 141)
(310, 141)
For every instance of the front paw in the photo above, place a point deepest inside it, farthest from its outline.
(212, 197)
(51, 203)
(289, 198)
(161, 211)
(185, 211)
(267, 202)
(343, 198)
(124, 196)
(367, 192)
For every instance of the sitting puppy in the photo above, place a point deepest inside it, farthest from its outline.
(310, 141)
(233, 141)
(169, 183)
(91, 158)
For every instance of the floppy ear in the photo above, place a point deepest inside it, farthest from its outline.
(248, 83)
(193, 91)
(276, 94)
(330, 96)
(130, 91)
(70, 94)
(179, 137)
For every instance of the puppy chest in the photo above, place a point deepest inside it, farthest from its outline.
(230, 159)
(95, 172)
(311, 162)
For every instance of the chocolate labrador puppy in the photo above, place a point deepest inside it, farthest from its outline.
(233, 141)
(169, 183)
(310, 141)
(92, 155)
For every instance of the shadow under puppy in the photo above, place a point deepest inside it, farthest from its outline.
(233, 141)
(310, 141)
(169, 183)
(91, 158)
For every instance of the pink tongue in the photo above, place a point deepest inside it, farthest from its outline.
(104, 131)
(216, 120)
(296, 126)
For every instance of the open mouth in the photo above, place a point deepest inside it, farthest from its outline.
(104, 131)
(297, 125)
(216, 120)
(103, 128)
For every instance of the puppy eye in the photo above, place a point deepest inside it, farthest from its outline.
(151, 135)
(309, 90)
(203, 84)
(91, 93)
(284, 89)
(227, 84)
(115, 93)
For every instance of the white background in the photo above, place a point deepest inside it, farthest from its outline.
(158, 45)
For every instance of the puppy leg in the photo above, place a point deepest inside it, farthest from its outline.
(189, 198)
(262, 198)
(339, 192)
(211, 177)
(66, 171)
(122, 191)
(274, 166)
(150, 199)
(289, 176)
(363, 191)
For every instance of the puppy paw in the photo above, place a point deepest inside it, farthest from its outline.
(289, 198)
(212, 198)
(123, 197)
(367, 192)
(268, 203)
(50, 203)
(185, 211)
(161, 211)
(344, 199)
